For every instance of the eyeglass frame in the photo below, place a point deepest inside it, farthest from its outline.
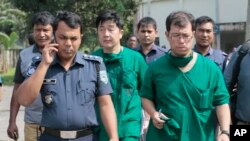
(177, 36)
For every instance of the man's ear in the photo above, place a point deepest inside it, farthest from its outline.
(167, 35)
(121, 33)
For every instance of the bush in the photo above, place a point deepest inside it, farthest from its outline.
(8, 77)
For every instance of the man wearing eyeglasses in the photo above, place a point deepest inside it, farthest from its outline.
(178, 97)
(204, 35)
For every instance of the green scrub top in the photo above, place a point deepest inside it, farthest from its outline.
(126, 71)
(187, 98)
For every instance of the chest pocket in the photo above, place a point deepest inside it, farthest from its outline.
(86, 93)
(204, 100)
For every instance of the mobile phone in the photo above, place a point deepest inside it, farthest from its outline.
(15, 135)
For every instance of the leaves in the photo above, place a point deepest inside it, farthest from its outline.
(8, 41)
(87, 9)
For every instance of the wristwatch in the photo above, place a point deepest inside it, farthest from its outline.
(225, 132)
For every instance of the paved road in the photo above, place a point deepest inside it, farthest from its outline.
(4, 116)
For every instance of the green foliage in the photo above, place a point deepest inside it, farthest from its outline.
(8, 41)
(8, 77)
(11, 19)
(87, 9)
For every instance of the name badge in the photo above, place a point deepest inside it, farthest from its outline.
(49, 81)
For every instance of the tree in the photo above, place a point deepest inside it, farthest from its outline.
(11, 19)
(11, 24)
(87, 9)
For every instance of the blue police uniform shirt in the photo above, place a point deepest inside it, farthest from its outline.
(26, 65)
(217, 56)
(69, 96)
(155, 53)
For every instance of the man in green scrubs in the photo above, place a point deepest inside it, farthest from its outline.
(182, 88)
(126, 69)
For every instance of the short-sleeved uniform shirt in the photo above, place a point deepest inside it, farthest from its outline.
(217, 56)
(69, 96)
(155, 53)
(26, 65)
(186, 97)
(126, 71)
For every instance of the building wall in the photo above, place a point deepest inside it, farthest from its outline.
(222, 11)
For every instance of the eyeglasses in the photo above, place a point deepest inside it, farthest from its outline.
(178, 37)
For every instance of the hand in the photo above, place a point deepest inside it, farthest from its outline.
(145, 125)
(157, 122)
(12, 129)
(113, 139)
(222, 137)
(49, 52)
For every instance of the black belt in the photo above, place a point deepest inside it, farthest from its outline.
(67, 134)
(245, 122)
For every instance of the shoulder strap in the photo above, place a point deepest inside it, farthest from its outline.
(225, 63)
(236, 67)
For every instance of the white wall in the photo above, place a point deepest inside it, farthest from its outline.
(222, 11)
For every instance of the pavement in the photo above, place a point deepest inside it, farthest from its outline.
(5, 113)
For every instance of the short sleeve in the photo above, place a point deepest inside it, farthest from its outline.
(18, 77)
(147, 89)
(104, 86)
(221, 93)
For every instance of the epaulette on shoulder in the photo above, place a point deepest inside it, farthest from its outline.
(92, 58)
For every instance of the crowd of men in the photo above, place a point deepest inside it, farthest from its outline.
(136, 92)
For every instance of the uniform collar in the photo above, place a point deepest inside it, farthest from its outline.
(154, 48)
(36, 48)
(209, 53)
(78, 59)
(110, 57)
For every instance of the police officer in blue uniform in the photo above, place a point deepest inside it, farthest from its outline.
(70, 83)
(204, 35)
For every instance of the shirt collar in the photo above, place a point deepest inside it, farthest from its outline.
(78, 59)
(210, 51)
(154, 48)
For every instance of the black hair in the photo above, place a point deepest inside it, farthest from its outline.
(180, 19)
(73, 20)
(204, 19)
(109, 15)
(43, 17)
(31, 39)
(146, 21)
(130, 35)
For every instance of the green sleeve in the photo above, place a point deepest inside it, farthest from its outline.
(221, 95)
(142, 67)
(147, 89)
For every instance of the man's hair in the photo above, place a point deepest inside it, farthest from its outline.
(202, 20)
(180, 19)
(146, 21)
(109, 15)
(130, 35)
(73, 20)
(43, 18)
(31, 39)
